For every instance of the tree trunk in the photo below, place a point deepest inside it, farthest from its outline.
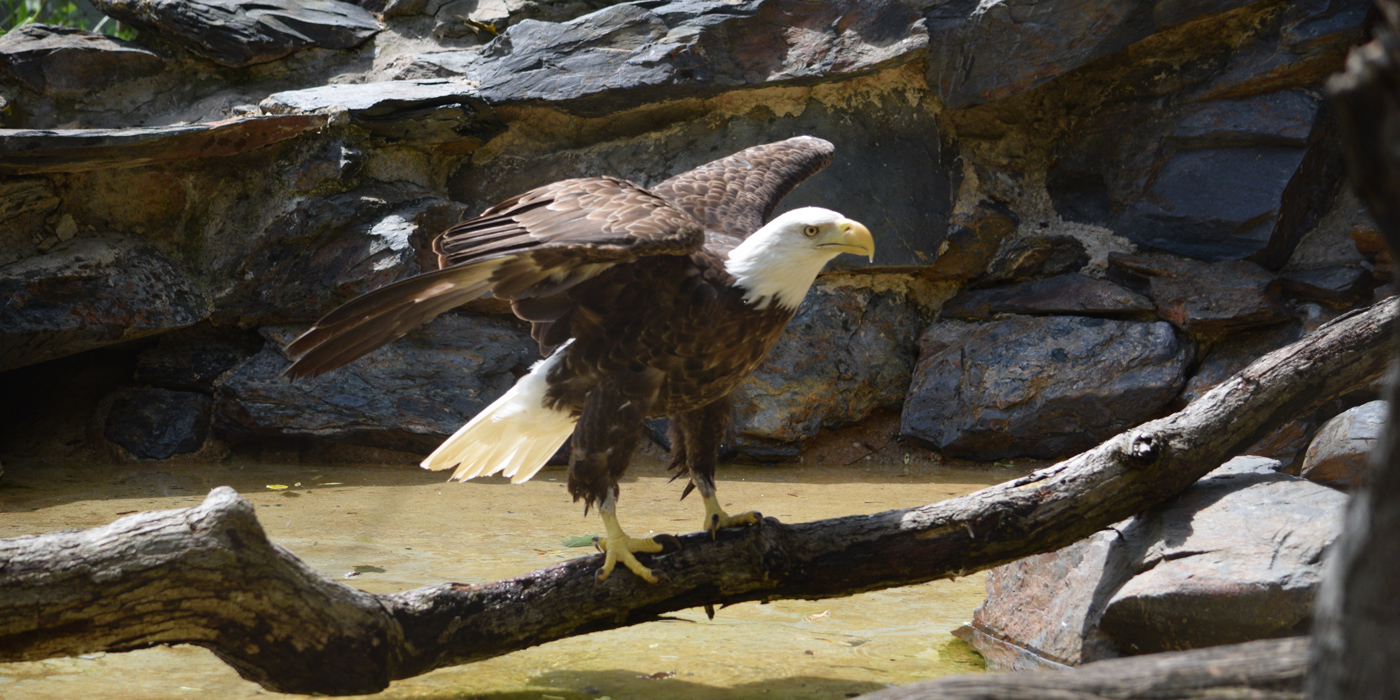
(208, 576)
(1356, 629)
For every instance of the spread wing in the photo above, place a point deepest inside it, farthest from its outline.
(536, 244)
(734, 196)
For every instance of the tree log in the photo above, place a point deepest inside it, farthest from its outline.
(1356, 646)
(208, 575)
(1270, 669)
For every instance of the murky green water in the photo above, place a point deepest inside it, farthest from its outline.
(403, 528)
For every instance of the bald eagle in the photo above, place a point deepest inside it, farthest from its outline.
(644, 302)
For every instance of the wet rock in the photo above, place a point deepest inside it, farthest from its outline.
(239, 33)
(1207, 298)
(155, 423)
(69, 62)
(847, 353)
(1235, 557)
(1341, 450)
(362, 241)
(75, 150)
(1035, 256)
(974, 237)
(190, 366)
(1338, 286)
(1232, 353)
(428, 110)
(1039, 387)
(624, 55)
(409, 395)
(89, 293)
(1053, 296)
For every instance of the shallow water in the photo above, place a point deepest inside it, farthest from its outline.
(402, 528)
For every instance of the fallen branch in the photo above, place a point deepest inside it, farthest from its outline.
(1270, 669)
(209, 576)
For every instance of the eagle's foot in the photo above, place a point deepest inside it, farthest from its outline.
(620, 548)
(716, 518)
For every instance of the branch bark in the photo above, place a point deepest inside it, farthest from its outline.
(209, 576)
(1270, 669)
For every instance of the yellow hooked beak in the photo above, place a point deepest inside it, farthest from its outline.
(851, 237)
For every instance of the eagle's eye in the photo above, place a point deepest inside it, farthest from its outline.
(809, 231)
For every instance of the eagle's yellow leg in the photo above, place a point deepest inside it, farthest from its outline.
(716, 518)
(618, 547)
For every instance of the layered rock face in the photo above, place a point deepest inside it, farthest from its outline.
(1120, 190)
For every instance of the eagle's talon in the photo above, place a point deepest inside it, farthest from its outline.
(619, 548)
(669, 543)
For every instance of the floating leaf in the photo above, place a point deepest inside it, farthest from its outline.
(368, 569)
(277, 487)
(578, 541)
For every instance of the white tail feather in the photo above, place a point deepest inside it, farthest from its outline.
(514, 436)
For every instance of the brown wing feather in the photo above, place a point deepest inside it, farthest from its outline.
(537, 244)
(736, 195)
(601, 219)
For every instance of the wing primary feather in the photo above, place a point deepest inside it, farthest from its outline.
(380, 316)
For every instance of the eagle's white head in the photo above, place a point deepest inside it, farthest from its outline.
(779, 262)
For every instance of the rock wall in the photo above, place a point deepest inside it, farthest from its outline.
(1141, 196)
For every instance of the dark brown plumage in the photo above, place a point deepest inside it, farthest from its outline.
(645, 302)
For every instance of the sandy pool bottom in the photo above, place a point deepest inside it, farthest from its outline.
(386, 529)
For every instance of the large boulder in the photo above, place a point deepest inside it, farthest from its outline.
(408, 395)
(629, 54)
(1209, 299)
(68, 62)
(239, 33)
(1071, 293)
(154, 423)
(982, 53)
(1039, 387)
(90, 293)
(1340, 453)
(847, 353)
(1233, 157)
(1236, 557)
(422, 111)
